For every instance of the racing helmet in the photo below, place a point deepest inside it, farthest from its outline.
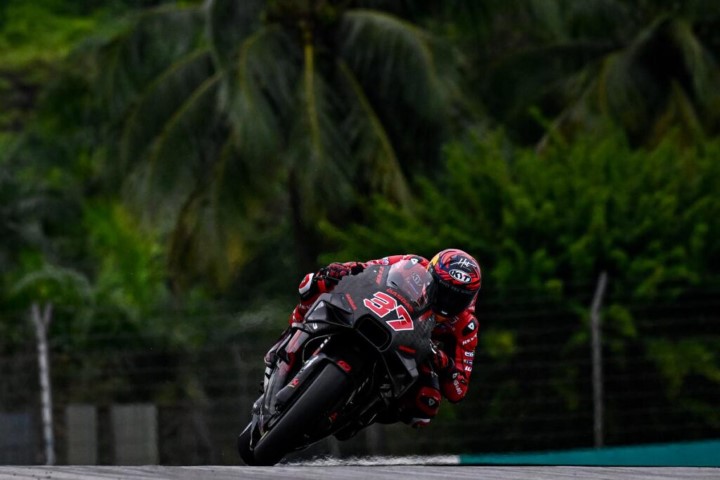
(457, 277)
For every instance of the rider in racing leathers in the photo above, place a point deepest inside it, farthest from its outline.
(458, 278)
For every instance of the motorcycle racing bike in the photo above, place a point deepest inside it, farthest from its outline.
(347, 365)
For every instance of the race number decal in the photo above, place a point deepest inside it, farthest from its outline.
(403, 322)
(382, 304)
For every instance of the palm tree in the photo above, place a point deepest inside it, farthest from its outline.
(646, 65)
(236, 117)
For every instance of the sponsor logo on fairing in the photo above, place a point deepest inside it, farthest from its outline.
(350, 301)
(470, 354)
(378, 278)
(402, 299)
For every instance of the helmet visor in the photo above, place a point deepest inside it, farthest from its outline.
(450, 300)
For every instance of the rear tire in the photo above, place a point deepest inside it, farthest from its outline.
(302, 415)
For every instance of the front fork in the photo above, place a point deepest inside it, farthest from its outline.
(285, 349)
(280, 389)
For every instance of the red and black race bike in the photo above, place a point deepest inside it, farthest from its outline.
(347, 365)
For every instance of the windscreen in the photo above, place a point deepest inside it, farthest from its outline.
(413, 281)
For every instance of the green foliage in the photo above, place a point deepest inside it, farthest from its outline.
(499, 344)
(554, 219)
(131, 293)
(39, 32)
(680, 360)
(130, 263)
(649, 66)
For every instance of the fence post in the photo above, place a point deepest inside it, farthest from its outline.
(41, 321)
(597, 379)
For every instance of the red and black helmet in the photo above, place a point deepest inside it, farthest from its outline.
(458, 278)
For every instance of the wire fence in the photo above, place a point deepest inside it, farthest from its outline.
(531, 388)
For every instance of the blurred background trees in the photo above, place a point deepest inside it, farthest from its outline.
(184, 158)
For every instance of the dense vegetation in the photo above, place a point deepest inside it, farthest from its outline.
(185, 156)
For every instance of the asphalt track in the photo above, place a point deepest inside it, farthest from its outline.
(356, 472)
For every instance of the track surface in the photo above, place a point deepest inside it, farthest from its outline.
(357, 472)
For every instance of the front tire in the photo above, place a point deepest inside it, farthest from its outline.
(316, 401)
(243, 445)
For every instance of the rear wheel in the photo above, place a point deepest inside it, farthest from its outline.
(300, 418)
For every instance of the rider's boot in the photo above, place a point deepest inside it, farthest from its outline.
(422, 403)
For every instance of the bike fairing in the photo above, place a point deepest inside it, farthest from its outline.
(332, 337)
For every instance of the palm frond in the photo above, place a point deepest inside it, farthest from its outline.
(548, 16)
(262, 94)
(638, 83)
(679, 117)
(179, 156)
(203, 244)
(702, 71)
(317, 152)
(229, 23)
(527, 79)
(225, 219)
(377, 166)
(159, 102)
(387, 52)
(626, 91)
(599, 20)
(132, 59)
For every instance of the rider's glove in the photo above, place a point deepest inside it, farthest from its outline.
(323, 281)
(334, 272)
(440, 361)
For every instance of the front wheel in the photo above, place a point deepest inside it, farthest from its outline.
(243, 445)
(309, 409)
